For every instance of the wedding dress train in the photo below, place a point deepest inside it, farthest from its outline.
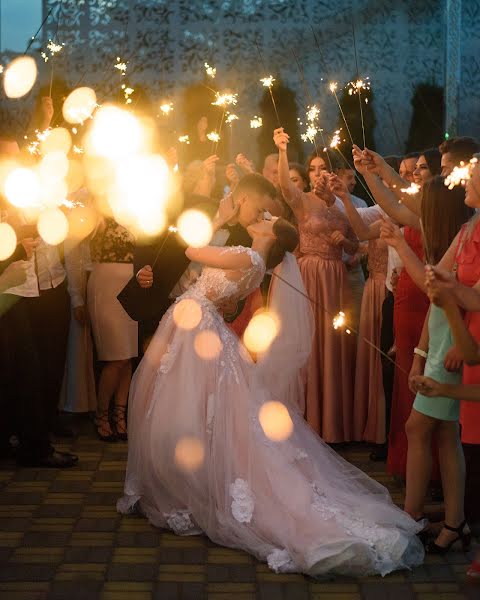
(294, 503)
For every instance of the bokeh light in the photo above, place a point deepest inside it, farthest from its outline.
(54, 166)
(81, 222)
(52, 226)
(56, 140)
(207, 345)
(22, 188)
(20, 77)
(187, 314)
(195, 228)
(79, 105)
(8, 241)
(261, 331)
(116, 133)
(189, 454)
(275, 421)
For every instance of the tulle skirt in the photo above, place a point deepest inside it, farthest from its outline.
(199, 461)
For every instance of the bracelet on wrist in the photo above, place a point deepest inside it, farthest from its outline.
(420, 352)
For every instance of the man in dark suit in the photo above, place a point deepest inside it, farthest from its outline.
(160, 266)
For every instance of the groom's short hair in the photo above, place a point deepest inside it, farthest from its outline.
(255, 183)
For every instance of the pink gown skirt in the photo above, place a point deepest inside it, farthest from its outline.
(329, 380)
(369, 403)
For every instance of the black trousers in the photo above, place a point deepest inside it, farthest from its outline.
(387, 339)
(21, 400)
(472, 483)
(49, 317)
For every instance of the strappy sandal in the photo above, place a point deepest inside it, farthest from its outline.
(464, 537)
(103, 427)
(120, 423)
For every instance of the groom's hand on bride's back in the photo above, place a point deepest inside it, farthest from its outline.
(145, 277)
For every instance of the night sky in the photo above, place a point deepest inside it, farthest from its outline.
(19, 21)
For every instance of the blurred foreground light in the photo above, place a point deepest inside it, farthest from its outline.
(81, 222)
(275, 421)
(195, 228)
(115, 133)
(52, 226)
(75, 177)
(20, 77)
(8, 241)
(53, 166)
(189, 454)
(260, 332)
(187, 314)
(79, 105)
(22, 188)
(56, 140)
(207, 345)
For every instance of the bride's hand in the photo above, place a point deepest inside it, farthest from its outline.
(227, 209)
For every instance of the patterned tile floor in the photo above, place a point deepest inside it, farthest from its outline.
(61, 538)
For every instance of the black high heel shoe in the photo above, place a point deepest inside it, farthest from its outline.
(424, 534)
(464, 538)
(119, 423)
(101, 422)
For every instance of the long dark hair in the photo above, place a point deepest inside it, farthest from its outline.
(443, 213)
(287, 240)
(433, 159)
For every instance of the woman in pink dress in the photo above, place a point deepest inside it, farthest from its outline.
(369, 397)
(324, 233)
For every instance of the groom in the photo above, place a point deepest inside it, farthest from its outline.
(159, 267)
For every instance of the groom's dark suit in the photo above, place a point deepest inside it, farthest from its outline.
(166, 255)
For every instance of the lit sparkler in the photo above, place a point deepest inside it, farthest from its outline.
(166, 108)
(53, 48)
(225, 99)
(333, 88)
(213, 136)
(267, 81)
(335, 142)
(339, 320)
(313, 113)
(356, 87)
(230, 118)
(127, 92)
(256, 122)
(309, 135)
(184, 139)
(210, 71)
(411, 190)
(121, 66)
(461, 174)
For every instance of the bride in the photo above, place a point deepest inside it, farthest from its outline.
(199, 460)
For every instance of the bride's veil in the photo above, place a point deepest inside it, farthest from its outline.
(280, 367)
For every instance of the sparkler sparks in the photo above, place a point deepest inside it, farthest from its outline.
(335, 140)
(127, 92)
(53, 48)
(411, 190)
(230, 118)
(225, 99)
(166, 108)
(339, 320)
(309, 135)
(184, 139)
(210, 71)
(333, 87)
(256, 122)
(213, 136)
(360, 85)
(313, 112)
(121, 66)
(267, 81)
(461, 174)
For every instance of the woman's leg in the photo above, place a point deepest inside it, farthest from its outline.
(121, 398)
(452, 467)
(419, 429)
(109, 382)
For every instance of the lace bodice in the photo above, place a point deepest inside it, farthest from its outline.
(220, 285)
(317, 225)
(377, 257)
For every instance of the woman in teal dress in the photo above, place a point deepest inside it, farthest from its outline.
(443, 212)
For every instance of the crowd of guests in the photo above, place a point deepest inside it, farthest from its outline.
(404, 267)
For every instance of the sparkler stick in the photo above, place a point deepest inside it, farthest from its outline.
(268, 82)
(55, 42)
(358, 79)
(338, 321)
(350, 166)
(34, 37)
(333, 89)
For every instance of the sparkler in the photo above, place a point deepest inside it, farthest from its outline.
(339, 320)
(461, 174)
(166, 108)
(333, 88)
(230, 118)
(121, 66)
(184, 139)
(256, 122)
(213, 136)
(53, 49)
(359, 83)
(411, 190)
(310, 134)
(268, 83)
(225, 99)
(127, 92)
(335, 140)
(210, 71)
(34, 36)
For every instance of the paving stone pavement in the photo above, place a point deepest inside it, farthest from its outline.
(62, 539)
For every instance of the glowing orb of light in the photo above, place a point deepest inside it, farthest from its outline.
(56, 140)
(260, 332)
(53, 166)
(187, 314)
(189, 454)
(275, 421)
(195, 228)
(115, 133)
(22, 188)
(81, 222)
(20, 77)
(79, 105)
(207, 345)
(52, 226)
(339, 320)
(8, 241)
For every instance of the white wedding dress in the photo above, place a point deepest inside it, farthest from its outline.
(294, 504)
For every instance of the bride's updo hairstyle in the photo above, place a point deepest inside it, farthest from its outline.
(287, 240)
